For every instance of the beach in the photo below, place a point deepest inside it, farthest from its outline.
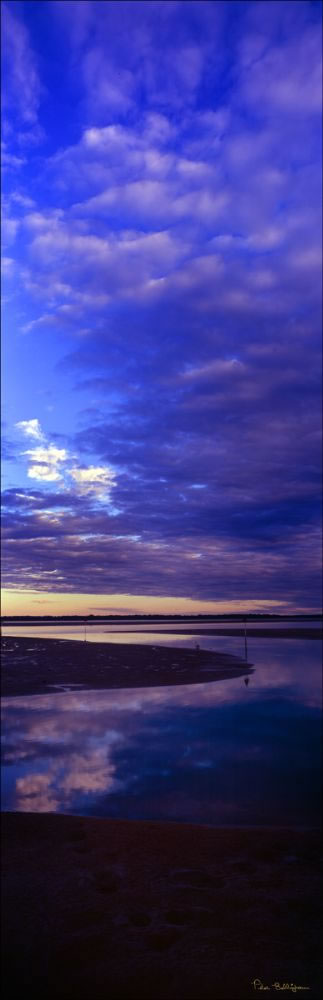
(139, 910)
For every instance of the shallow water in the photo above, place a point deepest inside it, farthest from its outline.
(221, 753)
(153, 631)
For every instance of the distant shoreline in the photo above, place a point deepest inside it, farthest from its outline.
(234, 618)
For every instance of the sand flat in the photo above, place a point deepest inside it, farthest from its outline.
(36, 666)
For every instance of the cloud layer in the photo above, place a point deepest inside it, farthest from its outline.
(162, 254)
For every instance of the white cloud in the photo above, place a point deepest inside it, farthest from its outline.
(98, 479)
(9, 227)
(44, 473)
(42, 220)
(31, 428)
(220, 366)
(22, 199)
(7, 267)
(50, 455)
(46, 461)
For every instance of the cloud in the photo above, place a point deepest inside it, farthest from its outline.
(52, 464)
(270, 545)
(34, 793)
(23, 89)
(7, 267)
(9, 227)
(264, 78)
(44, 473)
(220, 367)
(45, 463)
(31, 428)
(99, 480)
(168, 242)
(50, 455)
(10, 160)
(76, 773)
(165, 253)
(105, 48)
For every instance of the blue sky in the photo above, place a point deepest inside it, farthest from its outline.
(161, 256)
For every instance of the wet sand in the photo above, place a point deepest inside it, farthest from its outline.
(156, 911)
(38, 666)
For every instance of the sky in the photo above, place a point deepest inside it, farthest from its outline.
(161, 285)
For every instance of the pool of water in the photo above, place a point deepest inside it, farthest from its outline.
(220, 753)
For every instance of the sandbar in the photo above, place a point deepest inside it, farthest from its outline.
(36, 666)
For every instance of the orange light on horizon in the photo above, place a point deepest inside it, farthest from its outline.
(33, 602)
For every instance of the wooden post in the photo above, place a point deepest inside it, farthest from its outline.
(245, 640)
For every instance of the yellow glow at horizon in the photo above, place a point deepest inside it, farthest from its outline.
(35, 602)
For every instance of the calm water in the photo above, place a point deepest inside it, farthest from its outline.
(152, 631)
(222, 753)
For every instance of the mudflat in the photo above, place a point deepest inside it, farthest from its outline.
(37, 666)
(97, 908)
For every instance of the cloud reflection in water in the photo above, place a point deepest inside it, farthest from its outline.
(218, 753)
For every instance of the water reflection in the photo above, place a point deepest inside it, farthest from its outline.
(211, 753)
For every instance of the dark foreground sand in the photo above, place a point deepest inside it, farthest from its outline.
(157, 911)
(36, 666)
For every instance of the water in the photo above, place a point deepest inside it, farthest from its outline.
(163, 633)
(220, 753)
(104, 630)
